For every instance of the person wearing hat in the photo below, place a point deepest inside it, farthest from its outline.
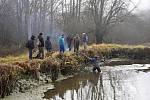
(30, 45)
(41, 46)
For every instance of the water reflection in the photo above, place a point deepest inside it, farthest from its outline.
(110, 85)
(76, 86)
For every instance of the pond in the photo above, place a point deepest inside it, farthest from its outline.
(127, 82)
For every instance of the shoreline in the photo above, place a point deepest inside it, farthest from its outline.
(37, 93)
(28, 83)
(49, 69)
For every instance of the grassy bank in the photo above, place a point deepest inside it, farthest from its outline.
(10, 59)
(13, 68)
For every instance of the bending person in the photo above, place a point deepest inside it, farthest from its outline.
(95, 61)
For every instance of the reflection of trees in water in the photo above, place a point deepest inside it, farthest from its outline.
(97, 89)
(101, 89)
(92, 86)
(117, 81)
(112, 83)
(84, 87)
(94, 89)
(72, 84)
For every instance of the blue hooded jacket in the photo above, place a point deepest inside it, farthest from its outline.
(61, 41)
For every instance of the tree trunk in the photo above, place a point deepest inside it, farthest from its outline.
(52, 17)
(99, 36)
(29, 27)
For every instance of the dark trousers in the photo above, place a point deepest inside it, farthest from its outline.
(96, 68)
(76, 47)
(48, 50)
(62, 48)
(69, 46)
(30, 54)
(41, 52)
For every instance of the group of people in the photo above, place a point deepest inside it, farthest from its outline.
(64, 44)
(76, 40)
(72, 42)
(41, 44)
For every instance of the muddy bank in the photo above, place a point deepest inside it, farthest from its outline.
(25, 84)
(33, 89)
(31, 94)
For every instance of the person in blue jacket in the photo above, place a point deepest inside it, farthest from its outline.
(62, 44)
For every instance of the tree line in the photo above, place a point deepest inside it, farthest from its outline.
(19, 19)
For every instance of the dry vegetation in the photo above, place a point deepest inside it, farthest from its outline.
(13, 67)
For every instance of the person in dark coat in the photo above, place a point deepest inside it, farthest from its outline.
(95, 61)
(76, 43)
(48, 44)
(85, 40)
(41, 46)
(30, 45)
(69, 42)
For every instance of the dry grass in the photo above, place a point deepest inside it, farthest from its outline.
(104, 48)
(12, 59)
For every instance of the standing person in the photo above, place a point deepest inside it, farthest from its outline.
(30, 45)
(48, 44)
(41, 46)
(85, 40)
(69, 41)
(62, 44)
(76, 43)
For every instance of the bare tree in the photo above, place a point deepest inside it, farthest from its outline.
(107, 13)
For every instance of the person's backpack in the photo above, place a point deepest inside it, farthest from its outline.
(86, 38)
(27, 44)
(39, 43)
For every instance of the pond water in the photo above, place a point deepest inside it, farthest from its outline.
(127, 82)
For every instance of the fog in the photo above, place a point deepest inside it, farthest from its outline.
(19, 19)
(143, 4)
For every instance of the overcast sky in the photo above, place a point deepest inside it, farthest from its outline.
(144, 4)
